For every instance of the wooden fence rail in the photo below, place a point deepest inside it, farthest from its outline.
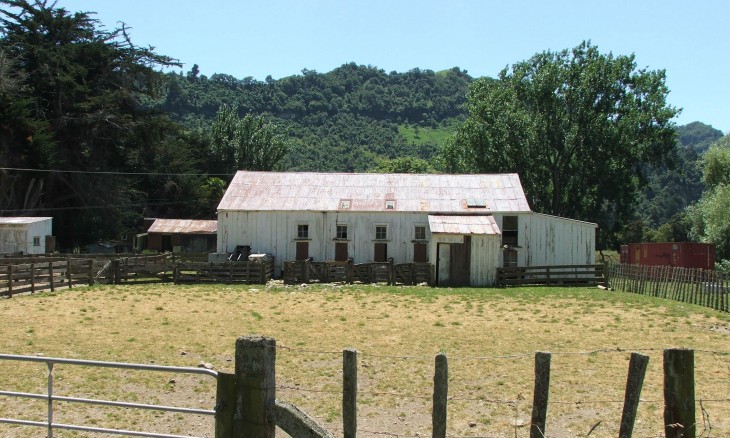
(34, 274)
(307, 271)
(694, 286)
(564, 275)
(250, 407)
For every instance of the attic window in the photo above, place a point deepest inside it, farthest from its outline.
(345, 204)
(390, 205)
(476, 203)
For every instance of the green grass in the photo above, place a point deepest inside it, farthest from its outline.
(419, 135)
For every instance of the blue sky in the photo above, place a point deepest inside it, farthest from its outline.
(689, 40)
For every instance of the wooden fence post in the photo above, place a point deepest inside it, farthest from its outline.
(679, 394)
(69, 275)
(440, 395)
(51, 275)
(10, 281)
(225, 405)
(32, 278)
(91, 272)
(634, 382)
(540, 398)
(255, 415)
(116, 271)
(349, 393)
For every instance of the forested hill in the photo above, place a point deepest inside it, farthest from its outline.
(344, 120)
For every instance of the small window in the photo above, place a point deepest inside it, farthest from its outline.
(345, 204)
(342, 231)
(381, 232)
(476, 203)
(509, 230)
(420, 232)
(390, 205)
(302, 231)
(36, 241)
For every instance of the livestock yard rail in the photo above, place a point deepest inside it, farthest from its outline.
(564, 275)
(38, 273)
(306, 271)
(688, 285)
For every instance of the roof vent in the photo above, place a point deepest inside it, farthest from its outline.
(345, 204)
(390, 205)
(476, 203)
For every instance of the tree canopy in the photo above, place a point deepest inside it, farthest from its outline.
(577, 125)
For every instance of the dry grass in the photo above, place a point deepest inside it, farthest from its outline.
(397, 332)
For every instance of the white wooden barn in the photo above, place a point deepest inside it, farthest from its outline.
(465, 225)
(25, 235)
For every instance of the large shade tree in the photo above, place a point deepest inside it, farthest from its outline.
(81, 97)
(577, 125)
(709, 217)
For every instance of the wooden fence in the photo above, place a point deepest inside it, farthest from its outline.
(563, 275)
(247, 272)
(305, 271)
(694, 286)
(38, 273)
(33, 274)
(249, 406)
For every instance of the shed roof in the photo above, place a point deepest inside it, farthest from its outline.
(463, 225)
(295, 191)
(22, 220)
(183, 226)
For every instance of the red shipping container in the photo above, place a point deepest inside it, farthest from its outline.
(682, 254)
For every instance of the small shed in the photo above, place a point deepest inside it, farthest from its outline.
(182, 235)
(26, 235)
(465, 226)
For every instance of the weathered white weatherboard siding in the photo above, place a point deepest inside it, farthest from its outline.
(485, 257)
(545, 240)
(276, 233)
(19, 234)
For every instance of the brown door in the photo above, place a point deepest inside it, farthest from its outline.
(419, 253)
(302, 250)
(381, 252)
(459, 271)
(340, 251)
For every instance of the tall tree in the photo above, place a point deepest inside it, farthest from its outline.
(90, 88)
(577, 125)
(250, 143)
(709, 216)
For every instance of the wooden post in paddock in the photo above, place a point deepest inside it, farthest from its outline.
(10, 280)
(634, 383)
(679, 394)
(349, 393)
(225, 405)
(440, 395)
(540, 398)
(255, 414)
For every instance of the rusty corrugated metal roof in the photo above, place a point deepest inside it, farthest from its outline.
(463, 225)
(22, 220)
(183, 226)
(297, 191)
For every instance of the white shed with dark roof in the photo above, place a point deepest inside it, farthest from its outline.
(465, 225)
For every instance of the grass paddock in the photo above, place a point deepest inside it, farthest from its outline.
(488, 335)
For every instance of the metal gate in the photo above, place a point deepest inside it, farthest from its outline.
(50, 425)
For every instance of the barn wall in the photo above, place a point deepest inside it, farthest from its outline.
(276, 232)
(485, 254)
(39, 229)
(551, 240)
(13, 238)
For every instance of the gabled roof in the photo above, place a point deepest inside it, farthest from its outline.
(183, 226)
(22, 220)
(295, 191)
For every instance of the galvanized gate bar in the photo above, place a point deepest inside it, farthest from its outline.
(50, 425)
